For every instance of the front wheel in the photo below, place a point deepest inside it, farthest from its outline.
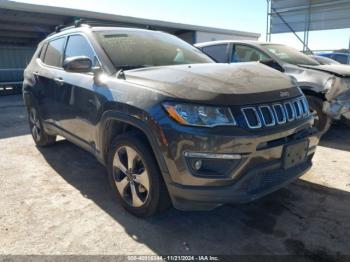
(40, 137)
(322, 121)
(135, 177)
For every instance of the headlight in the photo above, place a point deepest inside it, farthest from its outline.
(197, 115)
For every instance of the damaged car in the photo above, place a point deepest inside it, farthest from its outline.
(326, 86)
(170, 125)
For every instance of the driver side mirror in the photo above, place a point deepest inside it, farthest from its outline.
(77, 64)
(273, 64)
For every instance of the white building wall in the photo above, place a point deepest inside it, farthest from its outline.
(207, 37)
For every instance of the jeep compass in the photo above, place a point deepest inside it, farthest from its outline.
(171, 126)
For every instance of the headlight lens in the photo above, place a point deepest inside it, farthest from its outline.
(197, 115)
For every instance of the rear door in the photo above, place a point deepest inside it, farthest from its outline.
(48, 76)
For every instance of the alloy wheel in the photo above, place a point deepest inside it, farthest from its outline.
(35, 124)
(131, 176)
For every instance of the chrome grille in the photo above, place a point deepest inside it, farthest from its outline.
(280, 113)
(276, 114)
(252, 117)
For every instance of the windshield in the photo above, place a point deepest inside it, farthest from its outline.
(290, 55)
(130, 49)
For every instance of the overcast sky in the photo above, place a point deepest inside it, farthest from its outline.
(245, 15)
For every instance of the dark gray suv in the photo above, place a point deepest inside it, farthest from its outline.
(170, 125)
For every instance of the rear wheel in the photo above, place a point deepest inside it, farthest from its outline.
(40, 137)
(135, 176)
(322, 121)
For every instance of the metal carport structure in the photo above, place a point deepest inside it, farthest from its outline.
(23, 25)
(284, 16)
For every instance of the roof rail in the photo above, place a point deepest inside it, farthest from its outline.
(84, 22)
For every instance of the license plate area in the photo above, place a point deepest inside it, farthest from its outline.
(295, 154)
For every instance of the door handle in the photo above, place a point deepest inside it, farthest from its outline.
(59, 80)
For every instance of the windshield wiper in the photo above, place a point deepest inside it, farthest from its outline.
(122, 68)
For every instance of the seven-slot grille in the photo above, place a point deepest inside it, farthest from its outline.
(275, 114)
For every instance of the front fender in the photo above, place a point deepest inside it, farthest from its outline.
(145, 123)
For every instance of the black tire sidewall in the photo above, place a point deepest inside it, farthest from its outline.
(45, 139)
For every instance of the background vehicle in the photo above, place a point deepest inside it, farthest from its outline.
(168, 122)
(314, 79)
(324, 60)
(343, 58)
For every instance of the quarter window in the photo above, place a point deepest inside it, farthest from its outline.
(77, 45)
(54, 53)
(218, 52)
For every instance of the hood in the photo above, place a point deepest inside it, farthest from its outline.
(338, 70)
(244, 83)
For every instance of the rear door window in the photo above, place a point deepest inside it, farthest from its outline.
(54, 52)
(218, 52)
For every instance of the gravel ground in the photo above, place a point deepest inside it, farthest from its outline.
(57, 201)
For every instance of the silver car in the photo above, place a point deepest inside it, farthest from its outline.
(326, 86)
(324, 60)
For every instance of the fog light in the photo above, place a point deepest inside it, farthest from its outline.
(197, 165)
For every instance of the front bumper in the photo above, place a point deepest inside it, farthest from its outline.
(257, 183)
(259, 171)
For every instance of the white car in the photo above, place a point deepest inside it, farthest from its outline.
(327, 87)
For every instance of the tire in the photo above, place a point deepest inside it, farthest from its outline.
(322, 122)
(40, 137)
(140, 197)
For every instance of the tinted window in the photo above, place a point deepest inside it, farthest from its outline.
(242, 53)
(139, 48)
(290, 55)
(54, 53)
(42, 51)
(341, 58)
(218, 52)
(77, 45)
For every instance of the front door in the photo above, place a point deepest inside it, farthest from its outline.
(78, 97)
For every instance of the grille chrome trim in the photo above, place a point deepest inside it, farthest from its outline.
(259, 125)
(300, 105)
(298, 111)
(292, 118)
(271, 115)
(276, 114)
(305, 105)
(283, 114)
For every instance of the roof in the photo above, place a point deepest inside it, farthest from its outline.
(85, 27)
(232, 41)
(32, 20)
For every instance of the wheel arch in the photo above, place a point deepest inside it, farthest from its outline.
(114, 123)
